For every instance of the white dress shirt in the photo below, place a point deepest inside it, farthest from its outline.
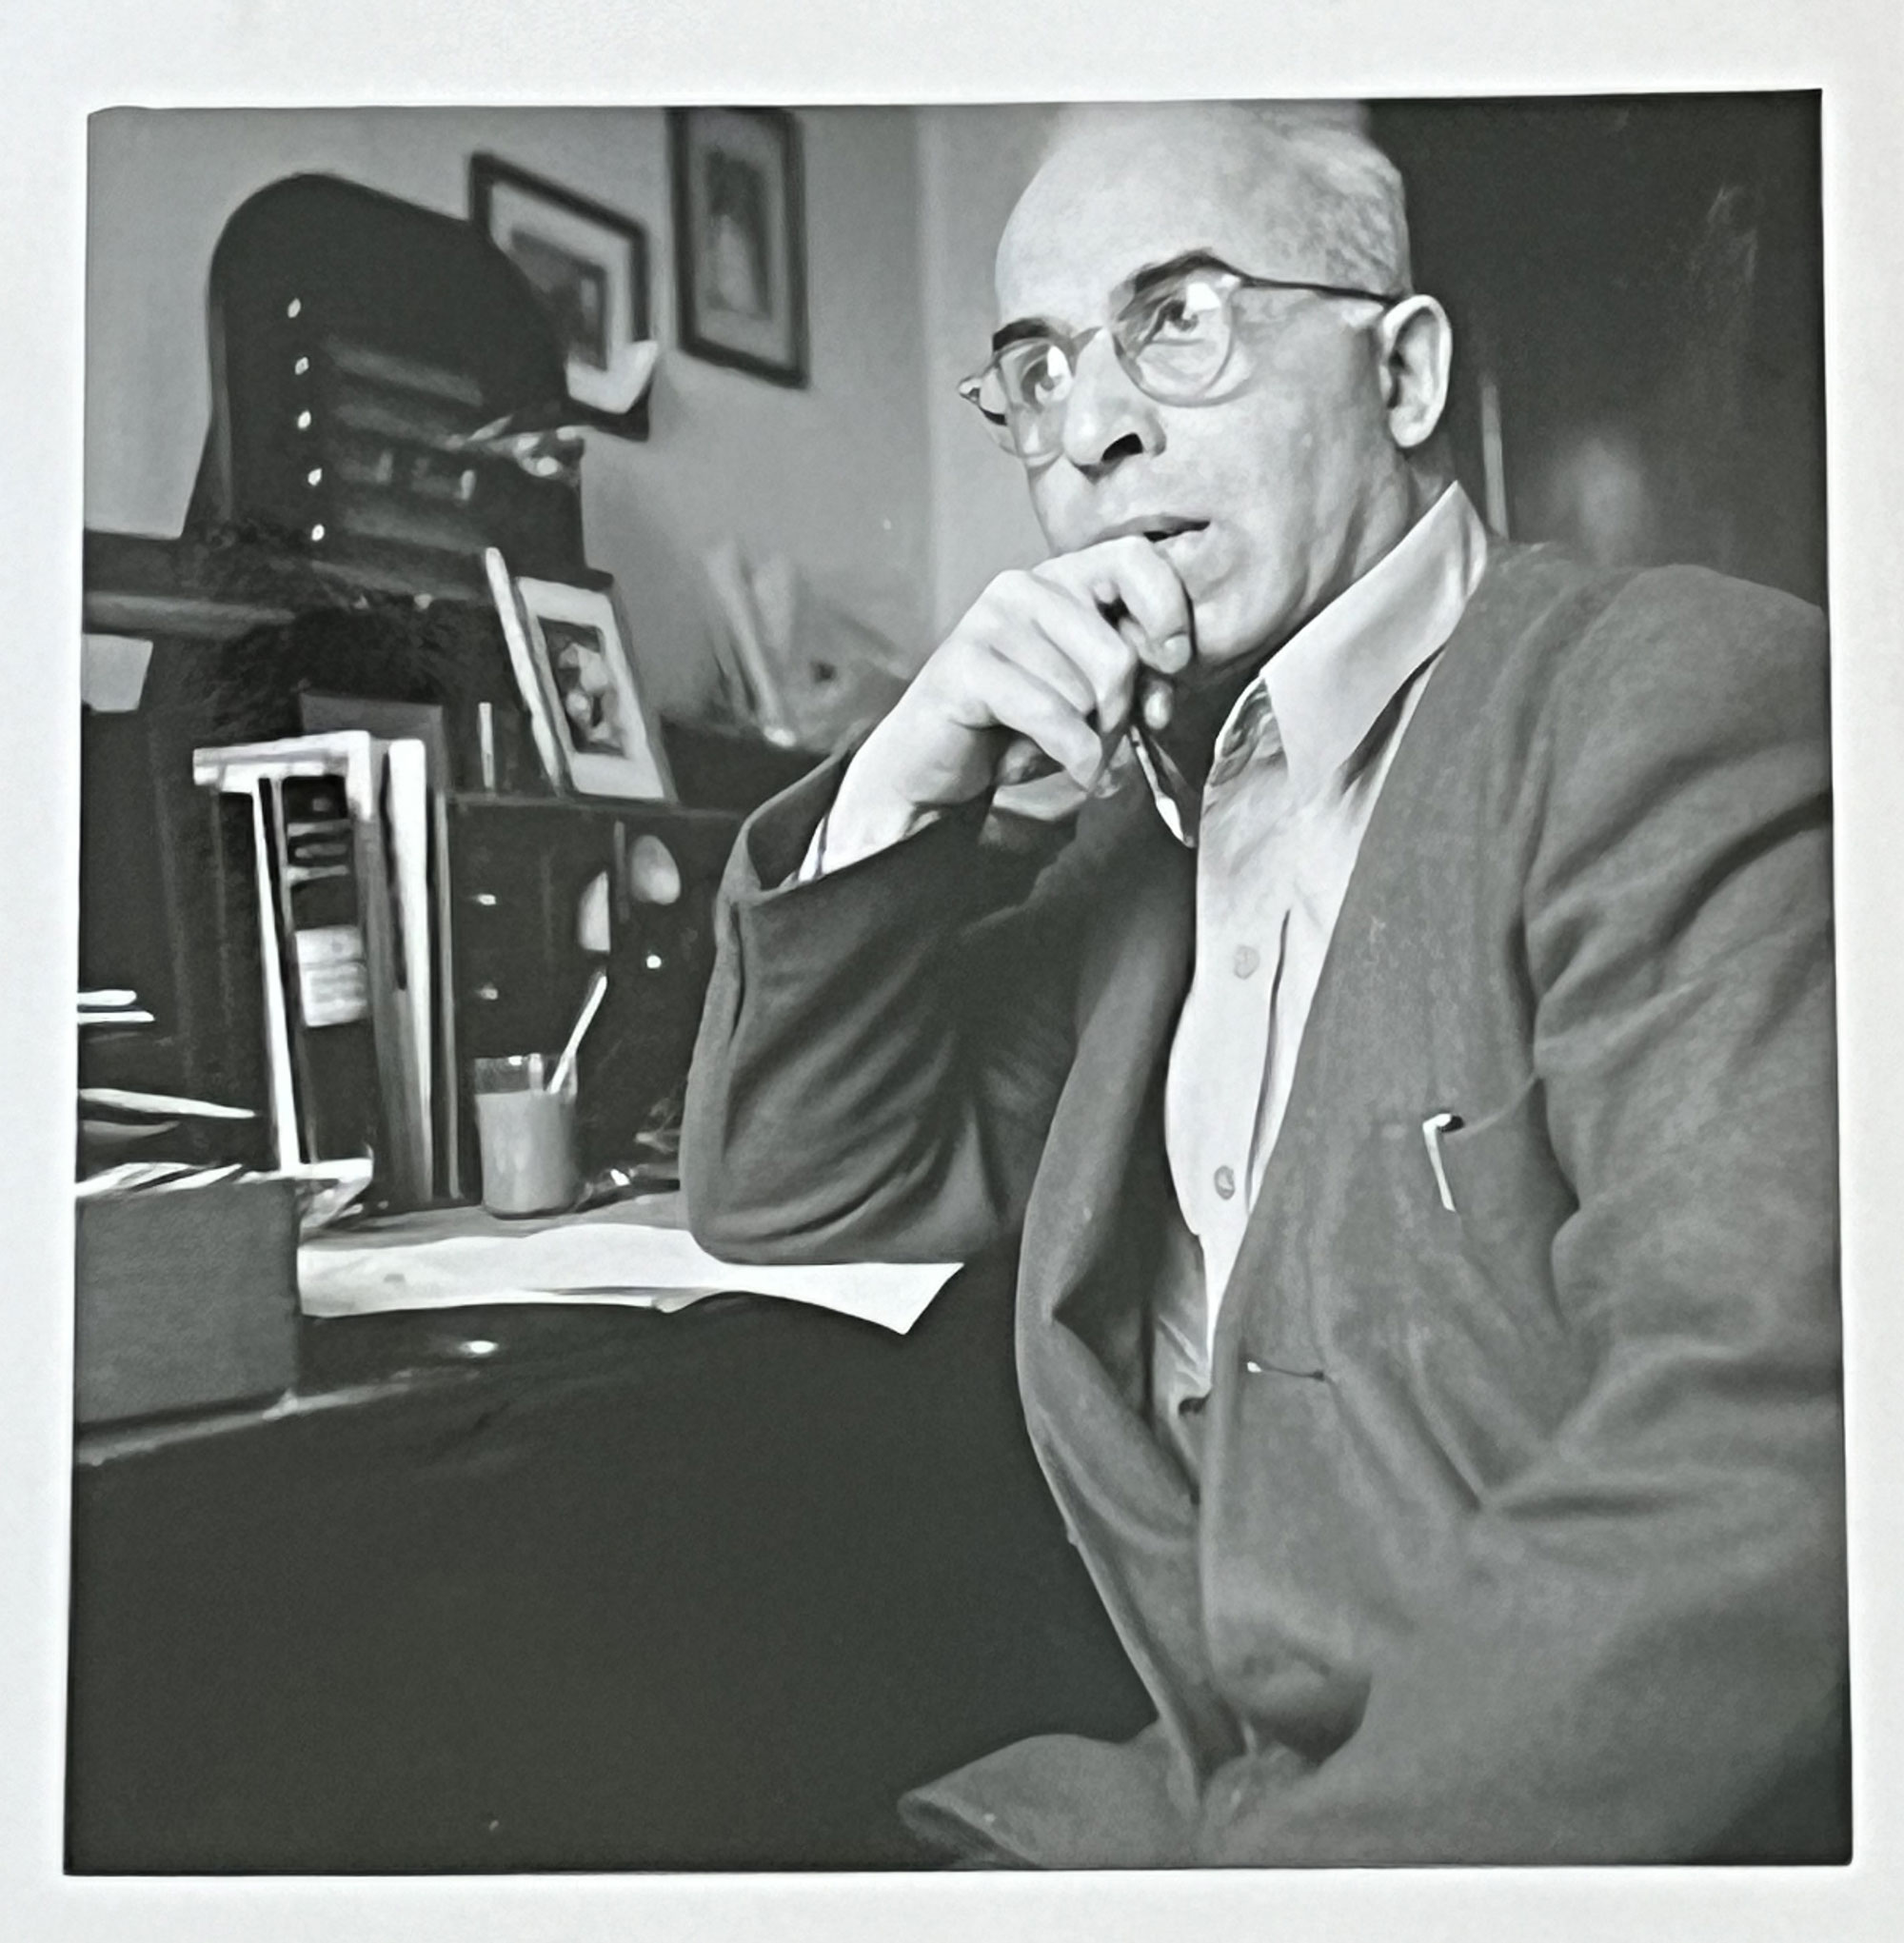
(1300, 763)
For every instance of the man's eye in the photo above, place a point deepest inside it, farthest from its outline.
(1041, 376)
(1188, 311)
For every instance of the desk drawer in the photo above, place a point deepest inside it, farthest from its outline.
(519, 874)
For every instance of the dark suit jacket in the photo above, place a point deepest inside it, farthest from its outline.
(1519, 1535)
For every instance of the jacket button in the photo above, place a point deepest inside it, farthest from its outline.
(1226, 1182)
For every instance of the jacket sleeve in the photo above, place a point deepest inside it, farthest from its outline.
(880, 1049)
(1639, 1652)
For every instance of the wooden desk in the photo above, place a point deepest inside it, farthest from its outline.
(625, 1591)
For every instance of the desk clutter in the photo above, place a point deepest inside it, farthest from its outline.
(191, 1279)
(635, 1253)
(389, 811)
(186, 1290)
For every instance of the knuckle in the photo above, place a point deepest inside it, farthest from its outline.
(1004, 594)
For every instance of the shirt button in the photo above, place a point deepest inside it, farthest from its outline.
(1226, 1182)
(1246, 960)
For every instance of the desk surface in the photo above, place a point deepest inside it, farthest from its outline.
(706, 1590)
(373, 1363)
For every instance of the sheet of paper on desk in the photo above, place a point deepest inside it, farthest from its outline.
(635, 1253)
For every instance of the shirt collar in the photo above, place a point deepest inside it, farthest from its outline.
(1331, 680)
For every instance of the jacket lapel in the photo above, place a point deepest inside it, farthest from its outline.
(1134, 973)
(1087, 1261)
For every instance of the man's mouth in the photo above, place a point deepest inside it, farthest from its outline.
(1174, 541)
(1155, 528)
(1181, 541)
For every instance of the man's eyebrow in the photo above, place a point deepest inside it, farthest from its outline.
(1141, 283)
(1152, 274)
(1022, 327)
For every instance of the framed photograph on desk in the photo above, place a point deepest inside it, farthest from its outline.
(570, 652)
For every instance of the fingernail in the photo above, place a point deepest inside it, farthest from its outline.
(1176, 650)
(1158, 708)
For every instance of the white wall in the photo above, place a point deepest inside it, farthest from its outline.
(973, 161)
(836, 476)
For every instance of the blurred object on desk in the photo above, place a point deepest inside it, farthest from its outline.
(329, 1192)
(112, 1118)
(99, 1139)
(794, 664)
(345, 835)
(185, 1295)
(137, 1177)
(325, 1191)
(722, 765)
(525, 1133)
(112, 1008)
(118, 1099)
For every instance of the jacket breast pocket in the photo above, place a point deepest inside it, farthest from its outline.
(1510, 1196)
(1449, 1331)
(1447, 1221)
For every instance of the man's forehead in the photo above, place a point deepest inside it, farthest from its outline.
(1125, 188)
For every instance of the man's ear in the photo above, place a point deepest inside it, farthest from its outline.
(1416, 344)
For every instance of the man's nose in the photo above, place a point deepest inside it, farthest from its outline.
(1106, 418)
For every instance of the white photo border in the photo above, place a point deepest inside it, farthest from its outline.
(639, 778)
(67, 62)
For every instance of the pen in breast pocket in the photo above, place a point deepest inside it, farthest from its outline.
(1432, 1129)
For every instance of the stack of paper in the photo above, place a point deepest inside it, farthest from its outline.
(634, 1253)
(112, 1007)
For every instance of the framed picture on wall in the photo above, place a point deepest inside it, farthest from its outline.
(740, 245)
(569, 649)
(590, 266)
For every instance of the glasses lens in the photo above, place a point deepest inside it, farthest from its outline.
(1020, 395)
(986, 396)
(1034, 380)
(1175, 340)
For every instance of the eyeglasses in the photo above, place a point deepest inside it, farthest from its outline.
(1175, 339)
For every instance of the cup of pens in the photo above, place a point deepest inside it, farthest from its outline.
(525, 1123)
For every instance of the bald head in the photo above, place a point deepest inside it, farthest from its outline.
(1291, 189)
(1314, 445)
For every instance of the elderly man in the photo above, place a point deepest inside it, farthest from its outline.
(1412, 1085)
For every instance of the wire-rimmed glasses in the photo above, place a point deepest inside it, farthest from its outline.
(1175, 338)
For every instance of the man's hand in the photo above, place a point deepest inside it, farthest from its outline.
(1040, 673)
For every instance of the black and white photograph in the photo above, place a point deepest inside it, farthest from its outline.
(1173, 1201)
(588, 265)
(584, 670)
(740, 239)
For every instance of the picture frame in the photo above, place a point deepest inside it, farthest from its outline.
(739, 240)
(589, 266)
(569, 648)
